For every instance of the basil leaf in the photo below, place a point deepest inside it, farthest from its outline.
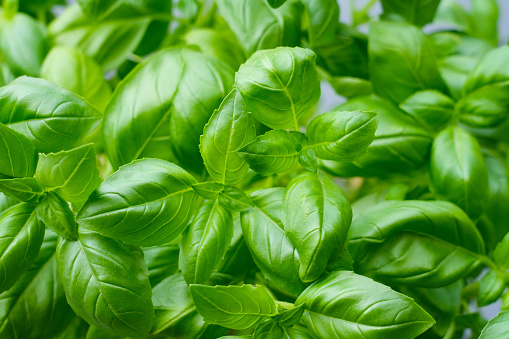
(147, 202)
(17, 154)
(149, 107)
(162, 262)
(496, 327)
(269, 330)
(54, 212)
(418, 12)
(402, 64)
(6, 202)
(35, 306)
(258, 26)
(338, 135)
(290, 317)
(429, 108)
(237, 307)
(24, 189)
(457, 171)
(386, 240)
(106, 283)
(454, 70)
(485, 15)
(344, 302)
(109, 41)
(270, 247)
(272, 85)
(208, 189)
(276, 3)
(323, 20)
(96, 9)
(274, 152)
(51, 117)
(72, 174)
(316, 216)
(23, 44)
(72, 69)
(501, 253)
(491, 288)
(350, 87)
(21, 237)
(400, 145)
(234, 200)
(205, 242)
(308, 160)
(484, 102)
(229, 129)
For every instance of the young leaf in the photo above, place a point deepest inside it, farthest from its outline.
(401, 61)
(23, 44)
(54, 212)
(205, 242)
(106, 283)
(17, 154)
(344, 302)
(417, 12)
(234, 199)
(156, 113)
(147, 202)
(290, 317)
(229, 129)
(323, 21)
(162, 262)
(457, 171)
(274, 152)
(271, 249)
(339, 136)
(24, 189)
(316, 216)
(72, 174)
(491, 288)
(496, 327)
(51, 117)
(35, 306)
(423, 243)
(279, 86)
(237, 307)
(501, 253)
(72, 69)
(21, 237)
(269, 330)
(208, 189)
(400, 145)
(258, 26)
(430, 108)
(308, 160)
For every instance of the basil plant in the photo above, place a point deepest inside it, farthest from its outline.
(167, 170)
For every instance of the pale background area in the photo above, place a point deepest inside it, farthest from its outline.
(330, 99)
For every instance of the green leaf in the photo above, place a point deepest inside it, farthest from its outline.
(484, 102)
(156, 111)
(106, 283)
(290, 317)
(279, 86)
(72, 69)
(270, 247)
(430, 108)
(316, 216)
(51, 117)
(273, 152)
(323, 21)
(234, 199)
(97, 9)
(485, 16)
(208, 189)
(400, 145)
(24, 189)
(72, 174)
(269, 330)
(55, 213)
(258, 26)
(229, 129)
(21, 236)
(6, 202)
(237, 307)
(338, 135)
(454, 70)
(421, 243)
(457, 171)
(35, 306)
(308, 160)
(344, 302)
(501, 253)
(350, 87)
(147, 202)
(205, 242)
(417, 12)
(109, 41)
(162, 262)
(17, 154)
(276, 3)
(401, 61)
(491, 288)
(23, 44)
(497, 328)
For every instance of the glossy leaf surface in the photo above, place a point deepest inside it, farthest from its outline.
(54, 212)
(17, 154)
